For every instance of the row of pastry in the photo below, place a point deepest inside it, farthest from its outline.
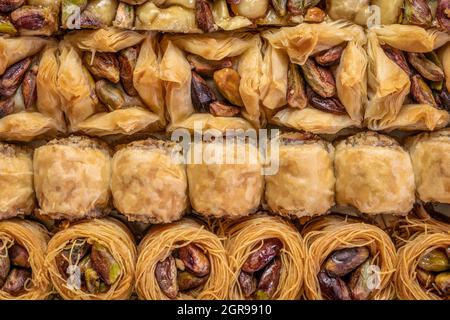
(260, 257)
(320, 78)
(48, 17)
(151, 181)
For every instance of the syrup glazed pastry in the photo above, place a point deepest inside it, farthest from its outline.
(92, 260)
(147, 183)
(16, 181)
(409, 78)
(31, 18)
(422, 13)
(423, 269)
(358, 11)
(266, 256)
(212, 80)
(430, 155)
(314, 77)
(22, 250)
(374, 174)
(209, 16)
(304, 182)
(182, 260)
(89, 14)
(72, 177)
(228, 181)
(109, 82)
(348, 260)
(29, 102)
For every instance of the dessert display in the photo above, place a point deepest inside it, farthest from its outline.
(250, 150)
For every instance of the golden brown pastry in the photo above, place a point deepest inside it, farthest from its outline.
(72, 177)
(89, 14)
(226, 179)
(314, 76)
(212, 81)
(182, 260)
(109, 82)
(30, 106)
(16, 181)
(196, 16)
(92, 260)
(266, 256)
(423, 267)
(362, 11)
(430, 156)
(23, 275)
(374, 174)
(147, 183)
(348, 260)
(408, 78)
(304, 182)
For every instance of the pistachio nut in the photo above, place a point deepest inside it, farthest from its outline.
(102, 65)
(227, 81)
(344, 261)
(195, 260)
(319, 78)
(263, 255)
(206, 67)
(295, 93)
(166, 276)
(105, 264)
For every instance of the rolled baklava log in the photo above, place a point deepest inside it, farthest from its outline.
(423, 269)
(92, 260)
(22, 251)
(374, 174)
(430, 156)
(16, 181)
(72, 177)
(314, 76)
(35, 17)
(225, 179)
(266, 256)
(304, 182)
(409, 84)
(348, 260)
(30, 104)
(182, 260)
(148, 184)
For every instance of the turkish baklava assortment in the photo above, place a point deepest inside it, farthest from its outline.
(225, 149)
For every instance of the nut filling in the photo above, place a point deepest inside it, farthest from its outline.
(15, 268)
(113, 76)
(186, 269)
(346, 275)
(21, 75)
(313, 83)
(260, 273)
(88, 266)
(215, 87)
(433, 271)
(426, 74)
(426, 14)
